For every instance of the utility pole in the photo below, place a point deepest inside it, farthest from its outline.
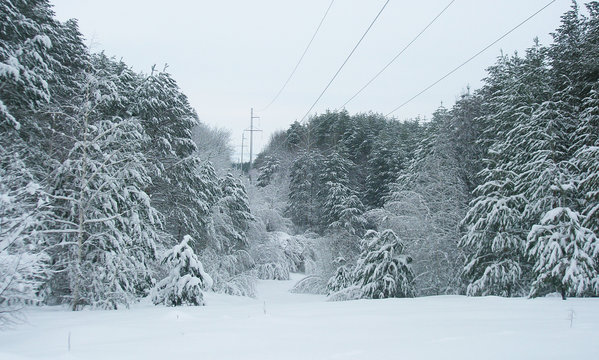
(251, 130)
(242, 146)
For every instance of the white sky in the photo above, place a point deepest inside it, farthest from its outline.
(229, 56)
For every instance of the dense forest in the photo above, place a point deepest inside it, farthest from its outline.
(112, 190)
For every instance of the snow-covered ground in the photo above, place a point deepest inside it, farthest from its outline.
(280, 325)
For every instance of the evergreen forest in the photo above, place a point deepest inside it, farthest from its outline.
(112, 189)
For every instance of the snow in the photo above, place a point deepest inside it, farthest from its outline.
(9, 70)
(282, 325)
(44, 40)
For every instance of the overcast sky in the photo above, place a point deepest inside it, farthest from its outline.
(229, 56)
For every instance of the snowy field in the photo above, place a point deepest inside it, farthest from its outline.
(280, 325)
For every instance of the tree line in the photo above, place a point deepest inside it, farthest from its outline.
(102, 169)
(495, 196)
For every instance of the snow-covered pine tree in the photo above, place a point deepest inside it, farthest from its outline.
(348, 210)
(185, 280)
(267, 171)
(466, 130)
(563, 207)
(586, 159)
(586, 162)
(342, 278)
(232, 215)
(495, 231)
(41, 61)
(336, 168)
(25, 62)
(382, 270)
(560, 246)
(303, 189)
(106, 228)
(586, 139)
(558, 243)
(184, 187)
(385, 161)
(563, 250)
(336, 194)
(295, 136)
(340, 206)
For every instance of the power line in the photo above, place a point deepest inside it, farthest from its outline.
(470, 59)
(398, 55)
(346, 59)
(300, 59)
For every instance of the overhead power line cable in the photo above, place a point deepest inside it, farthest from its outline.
(398, 55)
(300, 59)
(470, 59)
(345, 62)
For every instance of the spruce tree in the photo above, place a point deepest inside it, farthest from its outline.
(185, 280)
(563, 250)
(267, 170)
(105, 224)
(387, 158)
(586, 159)
(558, 243)
(232, 214)
(341, 208)
(383, 271)
(304, 185)
(495, 230)
(341, 279)
(26, 29)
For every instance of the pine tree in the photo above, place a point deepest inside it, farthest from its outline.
(267, 170)
(25, 62)
(586, 159)
(304, 185)
(186, 278)
(105, 224)
(349, 212)
(552, 206)
(495, 231)
(232, 215)
(465, 131)
(295, 136)
(183, 186)
(385, 161)
(563, 250)
(341, 279)
(336, 168)
(382, 270)
(341, 208)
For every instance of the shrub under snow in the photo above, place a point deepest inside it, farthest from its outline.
(186, 278)
(353, 292)
(311, 284)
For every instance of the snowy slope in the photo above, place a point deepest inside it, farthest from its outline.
(281, 325)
